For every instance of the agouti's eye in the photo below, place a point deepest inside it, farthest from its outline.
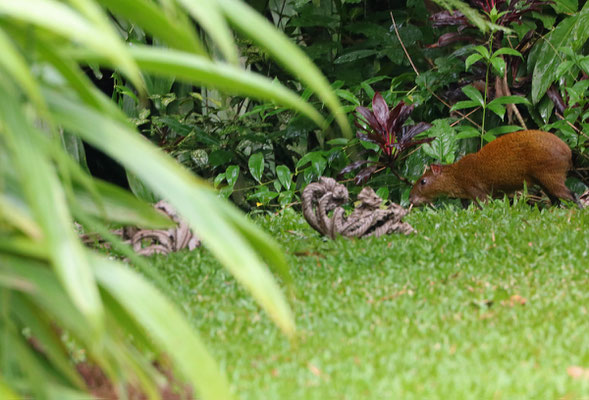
(423, 182)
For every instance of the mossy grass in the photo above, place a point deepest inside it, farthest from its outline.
(488, 303)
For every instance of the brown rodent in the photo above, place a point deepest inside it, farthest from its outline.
(501, 166)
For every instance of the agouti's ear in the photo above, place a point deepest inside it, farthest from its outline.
(436, 168)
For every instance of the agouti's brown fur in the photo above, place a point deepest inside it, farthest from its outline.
(501, 166)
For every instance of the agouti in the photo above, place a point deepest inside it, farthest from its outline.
(501, 166)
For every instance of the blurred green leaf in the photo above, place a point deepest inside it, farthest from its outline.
(207, 14)
(146, 14)
(165, 325)
(61, 19)
(44, 332)
(6, 392)
(192, 198)
(13, 62)
(119, 206)
(141, 190)
(47, 200)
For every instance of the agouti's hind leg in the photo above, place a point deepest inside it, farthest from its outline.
(556, 189)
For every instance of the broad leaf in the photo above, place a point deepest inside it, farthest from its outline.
(473, 58)
(508, 51)
(498, 66)
(380, 110)
(509, 100)
(472, 93)
(284, 176)
(465, 104)
(231, 174)
(483, 51)
(497, 109)
(256, 166)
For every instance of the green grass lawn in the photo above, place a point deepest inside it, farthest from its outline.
(480, 304)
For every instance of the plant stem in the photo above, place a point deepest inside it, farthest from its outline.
(486, 88)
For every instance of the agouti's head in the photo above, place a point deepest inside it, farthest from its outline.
(432, 184)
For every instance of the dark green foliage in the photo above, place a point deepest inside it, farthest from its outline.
(471, 70)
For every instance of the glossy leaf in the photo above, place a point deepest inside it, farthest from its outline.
(380, 110)
(364, 174)
(500, 130)
(467, 132)
(284, 176)
(353, 166)
(369, 117)
(483, 52)
(497, 109)
(231, 174)
(256, 166)
(408, 132)
(498, 66)
(347, 95)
